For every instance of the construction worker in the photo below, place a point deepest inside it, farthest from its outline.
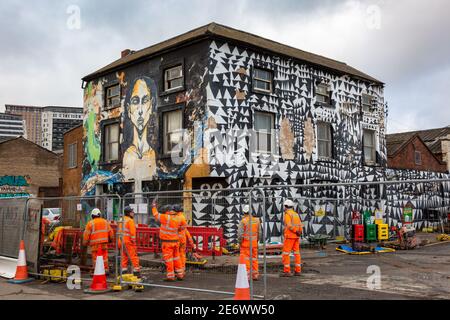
(248, 233)
(98, 233)
(184, 235)
(127, 228)
(168, 235)
(292, 231)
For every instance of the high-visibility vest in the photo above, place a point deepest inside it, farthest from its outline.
(97, 231)
(170, 225)
(183, 232)
(292, 224)
(250, 231)
(127, 230)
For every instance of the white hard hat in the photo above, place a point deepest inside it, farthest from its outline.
(289, 204)
(96, 212)
(246, 208)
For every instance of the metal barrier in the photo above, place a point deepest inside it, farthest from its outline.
(214, 215)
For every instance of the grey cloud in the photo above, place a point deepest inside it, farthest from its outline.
(410, 52)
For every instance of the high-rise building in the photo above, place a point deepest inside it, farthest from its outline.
(46, 125)
(55, 122)
(11, 126)
(32, 117)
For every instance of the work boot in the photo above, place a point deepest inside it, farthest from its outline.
(180, 278)
(285, 274)
(255, 278)
(137, 274)
(169, 279)
(297, 274)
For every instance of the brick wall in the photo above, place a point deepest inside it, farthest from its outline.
(40, 167)
(405, 158)
(72, 176)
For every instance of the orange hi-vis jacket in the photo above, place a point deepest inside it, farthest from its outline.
(170, 225)
(184, 234)
(128, 228)
(250, 231)
(98, 231)
(292, 224)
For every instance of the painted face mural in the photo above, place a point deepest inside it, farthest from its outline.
(139, 157)
(140, 106)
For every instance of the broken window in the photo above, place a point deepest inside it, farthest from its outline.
(172, 129)
(112, 97)
(262, 80)
(173, 78)
(324, 140)
(369, 147)
(264, 124)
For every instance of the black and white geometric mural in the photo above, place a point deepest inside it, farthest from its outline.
(231, 104)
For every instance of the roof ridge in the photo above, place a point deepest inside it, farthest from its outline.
(214, 29)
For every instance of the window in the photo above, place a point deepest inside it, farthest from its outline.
(262, 80)
(173, 78)
(172, 130)
(367, 102)
(112, 97)
(324, 140)
(111, 142)
(369, 147)
(72, 161)
(418, 157)
(264, 124)
(322, 94)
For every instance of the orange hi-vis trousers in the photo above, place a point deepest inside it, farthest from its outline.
(288, 246)
(129, 253)
(171, 256)
(244, 258)
(182, 254)
(94, 249)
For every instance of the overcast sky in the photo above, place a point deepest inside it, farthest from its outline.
(404, 43)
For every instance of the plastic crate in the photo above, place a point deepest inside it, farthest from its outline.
(383, 232)
(358, 232)
(371, 232)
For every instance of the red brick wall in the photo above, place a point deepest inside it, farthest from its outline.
(405, 158)
(72, 176)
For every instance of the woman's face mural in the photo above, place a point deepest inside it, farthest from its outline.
(140, 106)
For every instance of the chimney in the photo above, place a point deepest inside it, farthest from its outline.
(125, 53)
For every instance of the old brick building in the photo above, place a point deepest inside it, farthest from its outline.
(436, 140)
(28, 169)
(412, 154)
(72, 161)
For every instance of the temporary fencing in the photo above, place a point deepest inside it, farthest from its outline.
(327, 210)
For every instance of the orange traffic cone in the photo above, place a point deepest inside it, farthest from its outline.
(242, 290)
(99, 284)
(21, 270)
